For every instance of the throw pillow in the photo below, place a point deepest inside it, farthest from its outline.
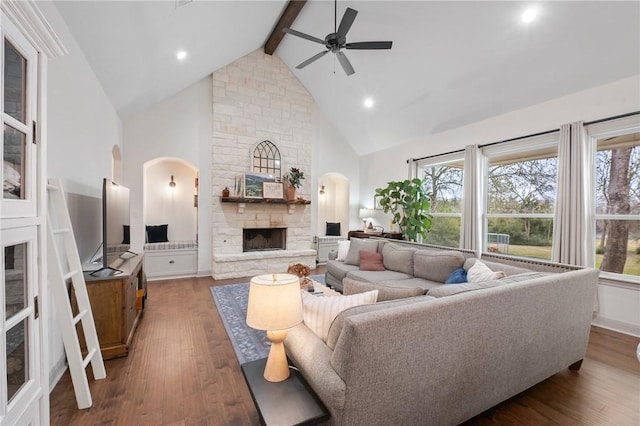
(320, 311)
(157, 233)
(357, 244)
(343, 249)
(481, 272)
(126, 234)
(457, 277)
(371, 261)
(333, 229)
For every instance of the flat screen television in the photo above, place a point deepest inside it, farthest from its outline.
(115, 226)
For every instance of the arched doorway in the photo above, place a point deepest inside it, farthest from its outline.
(333, 202)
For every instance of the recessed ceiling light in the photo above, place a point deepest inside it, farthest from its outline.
(181, 55)
(368, 103)
(528, 15)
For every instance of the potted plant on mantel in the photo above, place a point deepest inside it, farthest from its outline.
(294, 180)
(409, 203)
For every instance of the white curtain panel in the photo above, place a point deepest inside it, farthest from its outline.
(573, 231)
(472, 200)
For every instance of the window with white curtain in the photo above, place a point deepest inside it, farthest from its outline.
(520, 195)
(616, 180)
(443, 176)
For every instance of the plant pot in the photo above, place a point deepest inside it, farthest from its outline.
(291, 193)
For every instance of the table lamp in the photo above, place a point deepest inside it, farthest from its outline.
(275, 305)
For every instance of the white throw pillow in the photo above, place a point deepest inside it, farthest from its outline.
(320, 311)
(343, 249)
(481, 272)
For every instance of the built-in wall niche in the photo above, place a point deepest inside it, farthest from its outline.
(333, 202)
(171, 197)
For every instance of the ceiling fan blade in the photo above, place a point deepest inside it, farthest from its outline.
(312, 59)
(370, 45)
(302, 35)
(346, 65)
(347, 20)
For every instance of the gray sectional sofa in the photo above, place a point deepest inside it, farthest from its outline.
(429, 360)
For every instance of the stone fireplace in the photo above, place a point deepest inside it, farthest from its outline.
(259, 239)
(258, 98)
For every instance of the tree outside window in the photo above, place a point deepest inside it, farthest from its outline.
(617, 199)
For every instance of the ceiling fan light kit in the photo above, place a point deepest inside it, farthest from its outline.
(337, 40)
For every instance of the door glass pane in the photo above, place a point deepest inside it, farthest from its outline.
(15, 72)
(13, 153)
(15, 277)
(17, 357)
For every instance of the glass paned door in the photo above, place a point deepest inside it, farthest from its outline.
(18, 326)
(19, 62)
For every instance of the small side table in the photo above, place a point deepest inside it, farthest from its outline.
(290, 402)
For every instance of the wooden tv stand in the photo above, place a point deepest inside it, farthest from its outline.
(117, 303)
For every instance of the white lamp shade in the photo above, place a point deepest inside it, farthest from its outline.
(275, 302)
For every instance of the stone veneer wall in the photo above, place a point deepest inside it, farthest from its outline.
(257, 98)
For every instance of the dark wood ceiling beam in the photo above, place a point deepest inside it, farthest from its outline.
(286, 20)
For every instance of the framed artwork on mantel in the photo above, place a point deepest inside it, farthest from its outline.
(253, 184)
(273, 190)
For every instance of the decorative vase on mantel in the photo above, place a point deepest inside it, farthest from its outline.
(291, 193)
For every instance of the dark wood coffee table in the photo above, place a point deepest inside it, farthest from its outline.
(290, 402)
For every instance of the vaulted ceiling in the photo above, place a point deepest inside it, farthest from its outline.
(452, 62)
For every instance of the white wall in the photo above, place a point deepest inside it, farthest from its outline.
(82, 130)
(332, 154)
(167, 205)
(178, 127)
(609, 100)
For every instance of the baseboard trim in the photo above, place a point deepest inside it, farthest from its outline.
(56, 373)
(619, 326)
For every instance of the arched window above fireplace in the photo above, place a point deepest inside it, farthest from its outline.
(266, 159)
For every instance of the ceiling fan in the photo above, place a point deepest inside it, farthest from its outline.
(337, 40)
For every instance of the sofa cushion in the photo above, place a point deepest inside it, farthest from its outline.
(450, 290)
(357, 244)
(320, 311)
(420, 283)
(458, 276)
(377, 276)
(338, 322)
(371, 261)
(481, 272)
(385, 292)
(398, 258)
(436, 265)
(339, 269)
(343, 249)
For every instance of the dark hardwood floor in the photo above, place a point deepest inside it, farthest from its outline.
(182, 370)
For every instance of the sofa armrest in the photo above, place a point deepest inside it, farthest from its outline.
(313, 358)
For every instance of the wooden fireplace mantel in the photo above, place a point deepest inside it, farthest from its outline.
(242, 202)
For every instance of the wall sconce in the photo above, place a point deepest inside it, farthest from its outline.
(172, 184)
(321, 189)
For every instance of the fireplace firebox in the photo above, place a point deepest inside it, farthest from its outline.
(261, 239)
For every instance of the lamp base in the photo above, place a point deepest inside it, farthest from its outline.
(277, 368)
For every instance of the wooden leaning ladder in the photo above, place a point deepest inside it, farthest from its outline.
(59, 225)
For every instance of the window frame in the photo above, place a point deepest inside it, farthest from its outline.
(518, 150)
(443, 160)
(596, 132)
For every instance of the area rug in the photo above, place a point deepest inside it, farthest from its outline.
(231, 300)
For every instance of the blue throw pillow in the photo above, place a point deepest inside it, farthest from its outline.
(457, 277)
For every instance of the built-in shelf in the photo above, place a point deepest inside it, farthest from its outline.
(241, 202)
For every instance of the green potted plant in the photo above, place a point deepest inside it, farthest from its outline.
(294, 180)
(409, 203)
